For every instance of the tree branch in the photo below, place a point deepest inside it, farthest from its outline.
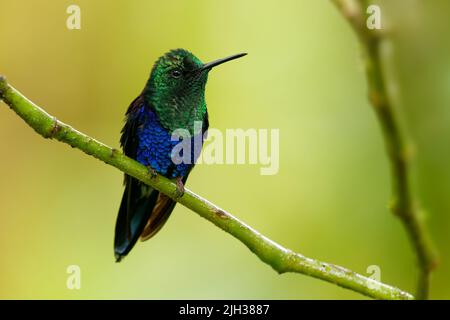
(403, 204)
(279, 258)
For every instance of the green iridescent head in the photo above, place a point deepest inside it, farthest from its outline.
(176, 88)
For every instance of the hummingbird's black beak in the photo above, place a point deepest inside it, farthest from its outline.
(208, 66)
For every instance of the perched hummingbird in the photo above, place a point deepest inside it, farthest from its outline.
(173, 98)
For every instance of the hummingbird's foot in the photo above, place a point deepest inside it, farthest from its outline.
(180, 187)
(153, 173)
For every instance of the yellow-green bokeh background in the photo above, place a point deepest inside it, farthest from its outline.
(303, 75)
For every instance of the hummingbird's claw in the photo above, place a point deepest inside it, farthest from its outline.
(180, 187)
(153, 173)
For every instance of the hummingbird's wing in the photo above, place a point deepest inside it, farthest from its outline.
(129, 139)
(138, 199)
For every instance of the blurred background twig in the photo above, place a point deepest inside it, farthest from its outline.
(403, 204)
(279, 258)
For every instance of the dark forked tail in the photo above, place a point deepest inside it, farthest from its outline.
(143, 211)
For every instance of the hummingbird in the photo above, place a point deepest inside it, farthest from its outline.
(173, 98)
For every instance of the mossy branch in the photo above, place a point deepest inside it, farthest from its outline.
(398, 151)
(279, 258)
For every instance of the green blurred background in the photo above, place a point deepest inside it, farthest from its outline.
(303, 75)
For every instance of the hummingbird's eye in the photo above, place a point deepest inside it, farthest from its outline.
(176, 73)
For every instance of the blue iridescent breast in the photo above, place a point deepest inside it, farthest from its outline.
(155, 145)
